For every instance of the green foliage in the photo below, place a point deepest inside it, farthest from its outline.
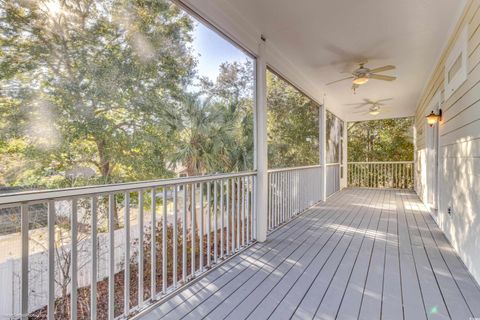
(380, 140)
(96, 92)
(232, 98)
(293, 130)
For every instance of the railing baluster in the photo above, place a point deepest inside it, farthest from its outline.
(193, 229)
(153, 249)
(397, 179)
(279, 199)
(74, 262)
(164, 243)
(233, 216)
(126, 222)
(248, 208)
(285, 196)
(273, 187)
(269, 203)
(370, 175)
(94, 243)
(215, 217)
(238, 214)
(227, 209)
(242, 183)
(184, 235)
(141, 250)
(352, 175)
(51, 258)
(281, 203)
(275, 199)
(24, 216)
(111, 245)
(288, 196)
(175, 238)
(254, 217)
(292, 193)
(395, 174)
(209, 222)
(357, 175)
(297, 189)
(202, 215)
(221, 219)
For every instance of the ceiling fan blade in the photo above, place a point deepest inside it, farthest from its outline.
(363, 105)
(369, 101)
(360, 112)
(382, 77)
(386, 99)
(338, 81)
(381, 69)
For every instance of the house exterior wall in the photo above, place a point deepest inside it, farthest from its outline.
(459, 146)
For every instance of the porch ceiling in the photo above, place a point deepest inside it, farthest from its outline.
(324, 38)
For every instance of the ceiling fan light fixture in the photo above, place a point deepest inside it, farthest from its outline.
(360, 80)
(374, 112)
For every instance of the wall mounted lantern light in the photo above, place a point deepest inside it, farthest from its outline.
(433, 118)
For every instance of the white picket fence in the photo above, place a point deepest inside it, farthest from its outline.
(10, 290)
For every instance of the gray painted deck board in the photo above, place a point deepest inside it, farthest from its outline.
(392, 300)
(364, 253)
(319, 286)
(352, 299)
(330, 302)
(372, 295)
(433, 299)
(456, 304)
(413, 301)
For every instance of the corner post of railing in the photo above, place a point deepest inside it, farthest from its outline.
(322, 145)
(261, 163)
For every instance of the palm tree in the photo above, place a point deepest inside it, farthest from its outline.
(205, 136)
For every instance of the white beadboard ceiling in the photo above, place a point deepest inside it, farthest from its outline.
(320, 39)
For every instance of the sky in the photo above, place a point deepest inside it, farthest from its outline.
(212, 50)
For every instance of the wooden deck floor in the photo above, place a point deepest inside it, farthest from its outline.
(364, 254)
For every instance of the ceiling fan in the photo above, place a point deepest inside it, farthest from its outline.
(375, 107)
(362, 74)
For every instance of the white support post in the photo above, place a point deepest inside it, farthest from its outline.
(261, 153)
(323, 158)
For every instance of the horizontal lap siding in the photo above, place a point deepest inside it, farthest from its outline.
(459, 153)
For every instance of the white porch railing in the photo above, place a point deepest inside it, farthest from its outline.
(399, 174)
(291, 191)
(95, 246)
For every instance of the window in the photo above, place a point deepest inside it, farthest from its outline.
(456, 65)
(293, 126)
(116, 91)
